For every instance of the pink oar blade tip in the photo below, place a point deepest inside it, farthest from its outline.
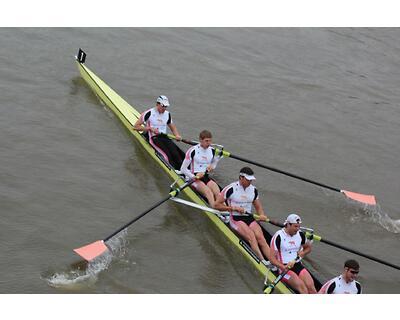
(91, 251)
(364, 198)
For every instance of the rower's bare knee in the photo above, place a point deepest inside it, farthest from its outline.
(298, 284)
(311, 289)
(261, 240)
(302, 288)
(210, 197)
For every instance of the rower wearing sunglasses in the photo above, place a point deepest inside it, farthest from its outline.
(154, 123)
(346, 282)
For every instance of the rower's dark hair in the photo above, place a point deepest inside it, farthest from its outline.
(205, 134)
(352, 264)
(246, 170)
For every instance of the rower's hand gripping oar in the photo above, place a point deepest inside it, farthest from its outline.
(363, 198)
(97, 248)
(278, 279)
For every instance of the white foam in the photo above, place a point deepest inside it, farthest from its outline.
(376, 215)
(76, 279)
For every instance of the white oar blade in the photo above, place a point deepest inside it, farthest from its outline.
(91, 251)
(364, 198)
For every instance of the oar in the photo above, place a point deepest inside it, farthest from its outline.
(363, 198)
(97, 248)
(224, 213)
(309, 234)
(278, 279)
(312, 236)
(200, 207)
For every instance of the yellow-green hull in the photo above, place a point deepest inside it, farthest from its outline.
(128, 115)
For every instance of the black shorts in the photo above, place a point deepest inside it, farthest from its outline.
(297, 268)
(246, 219)
(206, 178)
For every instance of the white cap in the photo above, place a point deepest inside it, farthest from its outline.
(292, 218)
(163, 100)
(247, 176)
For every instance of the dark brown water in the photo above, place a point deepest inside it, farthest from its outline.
(321, 103)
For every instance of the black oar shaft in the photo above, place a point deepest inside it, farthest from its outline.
(233, 156)
(137, 218)
(339, 246)
(170, 195)
(189, 142)
(283, 172)
(360, 253)
(278, 279)
(275, 223)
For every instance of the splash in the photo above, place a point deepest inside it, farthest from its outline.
(78, 278)
(376, 215)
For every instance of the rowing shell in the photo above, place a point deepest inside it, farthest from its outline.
(128, 116)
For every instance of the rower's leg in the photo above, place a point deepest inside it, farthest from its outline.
(169, 151)
(308, 280)
(246, 233)
(175, 155)
(260, 239)
(205, 191)
(214, 188)
(159, 145)
(295, 282)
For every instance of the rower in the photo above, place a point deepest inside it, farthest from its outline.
(154, 122)
(346, 282)
(239, 197)
(286, 245)
(199, 159)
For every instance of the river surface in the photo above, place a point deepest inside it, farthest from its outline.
(320, 103)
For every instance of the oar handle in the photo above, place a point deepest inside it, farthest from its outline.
(173, 193)
(272, 286)
(271, 221)
(171, 136)
(363, 198)
(339, 246)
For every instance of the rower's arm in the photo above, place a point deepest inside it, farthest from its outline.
(139, 125)
(273, 258)
(175, 132)
(185, 168)
(215, 160)
(306, 250)
(221, 205)
(274, 252)
(259, 209)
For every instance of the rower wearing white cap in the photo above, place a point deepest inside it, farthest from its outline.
(286, 245)
(239, 197)
(155, 121)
